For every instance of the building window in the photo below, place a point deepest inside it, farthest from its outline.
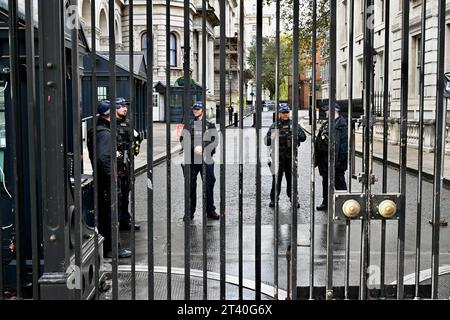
(344, 32)
(102, 93)
(361, 74)
(173, 50)
(155, 100)
(380, 63)
(344, 73)
(144, 42)
(418, 63)
(382, 4)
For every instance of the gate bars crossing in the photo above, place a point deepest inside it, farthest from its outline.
(44, 165)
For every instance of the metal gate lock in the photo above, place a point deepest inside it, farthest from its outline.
(387, 209)
(349, 206)
(351, 209)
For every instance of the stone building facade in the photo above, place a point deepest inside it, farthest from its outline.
(159, 37)
(394, 76)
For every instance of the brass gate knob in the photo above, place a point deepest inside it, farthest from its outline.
(387, 209)
(351, 208)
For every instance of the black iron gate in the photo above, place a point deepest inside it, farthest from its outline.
(49, 246)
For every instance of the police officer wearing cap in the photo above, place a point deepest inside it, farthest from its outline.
(285, 151)
(128, 146)
(198, 156)
(341, 155)
(104, 172)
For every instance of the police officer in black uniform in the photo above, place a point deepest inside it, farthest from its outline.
(197, 155)
(321, 154)
(104, 172)
(285, 151)
(128, 146)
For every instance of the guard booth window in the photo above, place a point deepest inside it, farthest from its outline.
(2, 129)
(102, 93)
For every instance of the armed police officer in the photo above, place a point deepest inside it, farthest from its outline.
(196, 157)
(104, 172)
(285, 151)
(341, 154)
(128, 146)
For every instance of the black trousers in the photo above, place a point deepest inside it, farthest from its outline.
(285, 168)
(339, 184)
(210, 181)
(124, 199)
(104, 216)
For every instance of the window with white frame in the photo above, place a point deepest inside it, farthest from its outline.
(380, 62)
(173, 50)
(102, 93)
(418, 43)
(360, 75)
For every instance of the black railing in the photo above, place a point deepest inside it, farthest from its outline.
(55, 221)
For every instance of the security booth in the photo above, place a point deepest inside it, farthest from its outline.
(122, 86)
(21, 149)
(176, 98)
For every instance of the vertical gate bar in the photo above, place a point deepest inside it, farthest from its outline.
(112, 99)
(420, 160)
(295, 129)
(188, 166)
(222, 152)
(313, 143)
(1, 252)
(277, 103)
(439, 150)
(368, 103)
(94, 101)
(76, 136)
(350, 141)
(17, 153)
(131, 151)
(150, 157)
(241, 148)
(31, 95)
(295, 107)
(169, 157)
(1, 256)
(403, 149)
(259, 18)
(385, 97)
(204, 199)
(331, 150)
(52, 153)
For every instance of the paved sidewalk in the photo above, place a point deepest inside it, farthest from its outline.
(394, 155)
(412, 156)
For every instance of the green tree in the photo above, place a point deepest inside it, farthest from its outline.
(306, 23)
(269, 62)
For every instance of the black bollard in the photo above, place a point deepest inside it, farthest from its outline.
(254, 119)
(274, 114)
(236, 121)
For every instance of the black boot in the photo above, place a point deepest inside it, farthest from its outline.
(322, 207)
